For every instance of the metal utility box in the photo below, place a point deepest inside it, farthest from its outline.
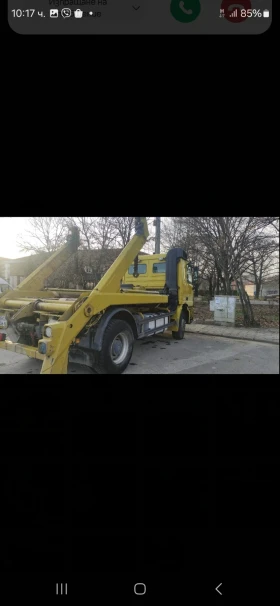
(224, 309)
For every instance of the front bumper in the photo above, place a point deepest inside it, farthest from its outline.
(26, 350)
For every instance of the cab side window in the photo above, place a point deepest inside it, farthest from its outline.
(142, 269)
(159, 268)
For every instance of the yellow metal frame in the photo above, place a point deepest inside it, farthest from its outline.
(31, 352)
(77, 314)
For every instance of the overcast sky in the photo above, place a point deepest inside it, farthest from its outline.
(10, 229)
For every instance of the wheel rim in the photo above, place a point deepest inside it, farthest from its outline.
(120, 348)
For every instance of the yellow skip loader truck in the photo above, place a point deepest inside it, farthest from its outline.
(139, 296)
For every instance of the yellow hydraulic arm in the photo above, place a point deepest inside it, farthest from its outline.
(106, 293)
(53, 348)
(35, 281)
(33, 285)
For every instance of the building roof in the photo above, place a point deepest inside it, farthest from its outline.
(272, 280)
(97, 259)
(74, 268)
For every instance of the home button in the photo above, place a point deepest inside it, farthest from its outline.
(140, 588)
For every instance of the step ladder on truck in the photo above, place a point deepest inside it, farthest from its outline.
(139, 296)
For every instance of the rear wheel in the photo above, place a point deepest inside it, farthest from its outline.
(180, 333)
(117, 348)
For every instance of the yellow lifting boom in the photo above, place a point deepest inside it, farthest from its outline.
(99, 325)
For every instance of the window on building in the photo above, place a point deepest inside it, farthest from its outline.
(142, 269)
(159, 268)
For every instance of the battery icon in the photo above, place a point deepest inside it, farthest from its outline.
(266, 14)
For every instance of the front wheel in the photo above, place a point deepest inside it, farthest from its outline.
(117, 348)
(179, 335)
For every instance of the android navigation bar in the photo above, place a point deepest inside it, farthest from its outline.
(218, 588)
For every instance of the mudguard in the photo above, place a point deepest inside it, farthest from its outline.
(93, 341)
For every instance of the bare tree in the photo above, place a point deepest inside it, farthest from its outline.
(238, 245)
(181, 232)
(178, 232)
(229, 241)
(104, 232)
(264, 263)
(272, 222)
(45, 234)
(124, 228)
(86, 228)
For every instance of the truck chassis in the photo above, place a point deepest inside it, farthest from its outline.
(96, 327)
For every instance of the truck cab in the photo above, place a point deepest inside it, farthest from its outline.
(139, 296)
(151, 270)
(163, 273)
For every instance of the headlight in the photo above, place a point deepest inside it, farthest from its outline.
(42, 348)
(3, 322)
(48, 331)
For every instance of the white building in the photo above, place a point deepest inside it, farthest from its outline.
(270, 287)
(4, 285)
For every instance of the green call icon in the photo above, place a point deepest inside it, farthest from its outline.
(185, 10)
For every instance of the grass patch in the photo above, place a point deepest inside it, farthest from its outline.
(267, 317)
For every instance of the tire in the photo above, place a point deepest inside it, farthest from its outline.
(180, 334)
(117, 348)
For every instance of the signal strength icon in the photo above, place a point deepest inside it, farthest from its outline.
(234, 14)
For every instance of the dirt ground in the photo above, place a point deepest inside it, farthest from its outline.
(267, 316)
